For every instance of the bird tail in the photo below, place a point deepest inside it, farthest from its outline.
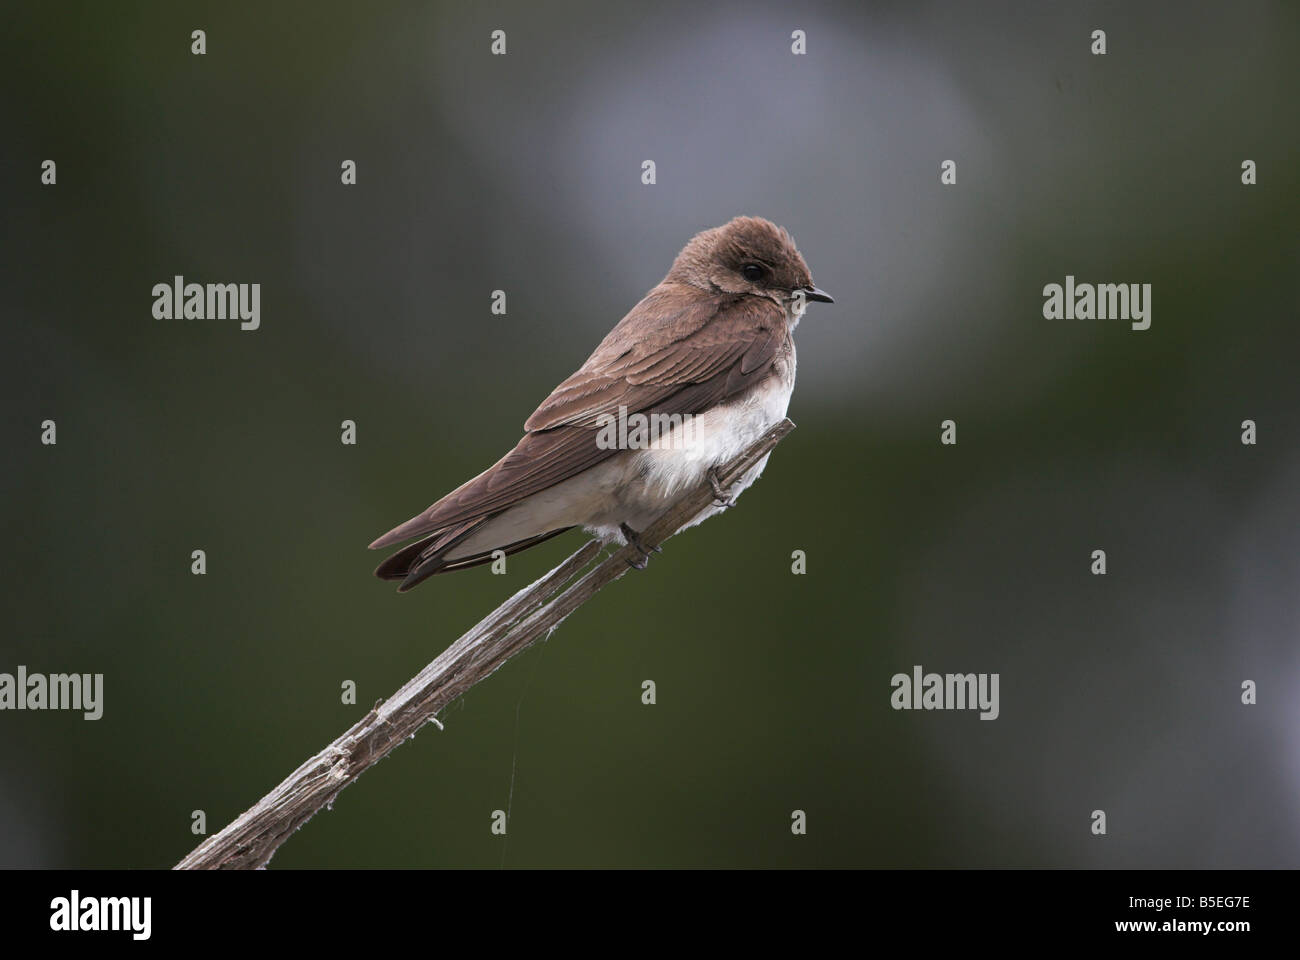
(419, 561)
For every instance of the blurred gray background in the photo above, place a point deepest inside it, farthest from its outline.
(522, 173)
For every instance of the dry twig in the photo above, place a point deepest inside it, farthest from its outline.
(252, 838)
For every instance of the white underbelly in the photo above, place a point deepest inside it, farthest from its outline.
(634, 486)
(711, 439)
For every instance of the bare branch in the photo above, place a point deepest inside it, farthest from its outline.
(252, 839)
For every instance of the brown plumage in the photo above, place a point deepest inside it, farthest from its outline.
(711, 331)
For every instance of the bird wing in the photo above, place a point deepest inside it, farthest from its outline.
(701, 351)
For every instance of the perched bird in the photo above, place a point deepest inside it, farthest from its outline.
(708, 355)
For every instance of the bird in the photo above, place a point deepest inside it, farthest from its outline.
(708, 354)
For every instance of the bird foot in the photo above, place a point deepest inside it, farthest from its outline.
(720, 496)
(634, 539)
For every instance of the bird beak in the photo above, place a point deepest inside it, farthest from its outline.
(821, 296)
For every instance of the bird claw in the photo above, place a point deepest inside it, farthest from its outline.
(720, 497)
(634, 539)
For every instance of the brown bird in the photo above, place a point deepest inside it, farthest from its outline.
(707, 356)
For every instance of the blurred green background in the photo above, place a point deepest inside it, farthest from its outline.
(522, 173)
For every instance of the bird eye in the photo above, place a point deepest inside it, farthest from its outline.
(752, 272)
